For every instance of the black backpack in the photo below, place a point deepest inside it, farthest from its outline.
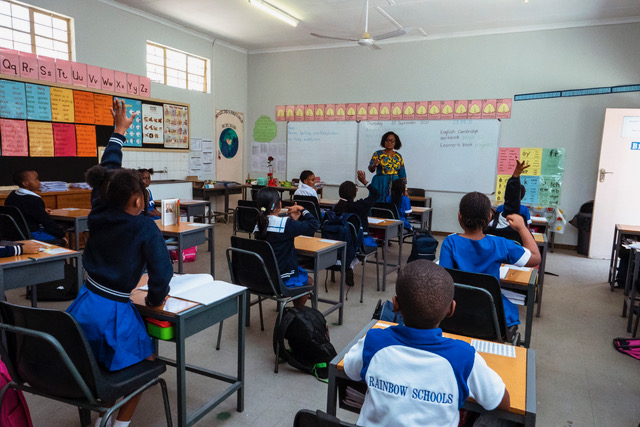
(306, 331)
(423, 246)
(340, 228)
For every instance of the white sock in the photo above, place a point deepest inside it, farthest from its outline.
(107, 424)
(117, 423)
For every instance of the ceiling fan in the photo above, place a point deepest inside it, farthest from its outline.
(366, 39)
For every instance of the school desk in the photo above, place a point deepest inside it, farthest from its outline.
(193, 319)
(327, 203)
(425, 215)
(75, 198)
(193, 208)
(280, 189)
(541, 225)
(630, 290)
(74, 216)
(619, 232)
(218, 189)
(189, 234)
(391, 228)
(518, 374)
(325, 254)
(543, 246)
(31, 269)
(421, 201)
(523, 281)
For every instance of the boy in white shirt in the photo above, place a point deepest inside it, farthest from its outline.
(307, 186)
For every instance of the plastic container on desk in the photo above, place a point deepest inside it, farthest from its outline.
(160, 329)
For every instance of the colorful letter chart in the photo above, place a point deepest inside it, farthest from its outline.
(14, 137)
(40, 139)
(84, 107)
(64, 140)
(176, 126)
(13, 102)
(152, 124)
(86, 141)
(102, 109)
(38, 102)
(134, 133)
(61, 105)
(542, 180)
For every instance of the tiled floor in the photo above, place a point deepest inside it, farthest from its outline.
(581, 379)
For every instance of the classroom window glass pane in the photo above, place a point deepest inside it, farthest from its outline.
(6, 43)
(33, 30)
(175, 68)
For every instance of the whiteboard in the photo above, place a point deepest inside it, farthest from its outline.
(440, 155)
(328, 149)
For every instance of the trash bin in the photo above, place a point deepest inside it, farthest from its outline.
(582, 221)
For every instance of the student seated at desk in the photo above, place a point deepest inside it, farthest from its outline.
(414, 375)
(26, 247)
(122, 243)
(307, 185)
(145, 174)
(479, 253)
(403, 204)
(41, 225)
(281, 232)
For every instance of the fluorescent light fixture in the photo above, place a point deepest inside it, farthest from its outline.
(274, 11)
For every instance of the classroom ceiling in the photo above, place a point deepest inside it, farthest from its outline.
(239, 23)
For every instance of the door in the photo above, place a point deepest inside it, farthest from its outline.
(617, 197)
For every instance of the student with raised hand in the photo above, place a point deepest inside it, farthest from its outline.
(415, 376)
(122, 243)
(476, 252)
(280, 232)
(513, 194)
(307, 185)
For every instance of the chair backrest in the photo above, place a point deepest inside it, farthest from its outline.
(248, 203)
(475, 315)
(35, 360)
(9, 230)
(489, 284)
(384, 210)
(245, 219)
(252, 263)
(310, 205)
(18, 217)
(418, 192)
(254, 190)
(308, 418)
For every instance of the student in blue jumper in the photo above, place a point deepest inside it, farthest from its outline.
(399, 198)
(122, 242)
(479, 253)
(145, 174)
(413, 373)
(280, 232)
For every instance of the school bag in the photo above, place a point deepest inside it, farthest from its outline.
(14, 411)
(341, 228)
(188, 254)
(628, 346)
(310, 349)
(423, 246)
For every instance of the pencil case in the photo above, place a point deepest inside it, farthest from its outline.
(160, 329)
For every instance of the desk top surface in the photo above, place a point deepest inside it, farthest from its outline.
(315, 244)
(628, 228)
(383, 222)
(182, 227)
(540, 237)
(51, 251)
(70, 213)
(419, 209)
(328, 202)
(512, 370)
(520, 277)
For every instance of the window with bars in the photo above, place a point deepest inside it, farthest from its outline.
(176, 68)
(30, 29)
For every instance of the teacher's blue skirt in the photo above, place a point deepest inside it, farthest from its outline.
(115, 330)
(382, 183)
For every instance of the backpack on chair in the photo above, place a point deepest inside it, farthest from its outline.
(305, 329)
(423, 246)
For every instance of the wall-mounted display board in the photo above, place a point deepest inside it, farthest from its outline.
(55, 129)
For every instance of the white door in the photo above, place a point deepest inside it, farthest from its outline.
(617, 197)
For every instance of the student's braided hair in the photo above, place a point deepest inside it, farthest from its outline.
(475, 210)
(267, 200)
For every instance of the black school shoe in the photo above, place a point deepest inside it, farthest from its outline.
(349, 277)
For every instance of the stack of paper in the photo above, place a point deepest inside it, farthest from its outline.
(353, 397)
(515, 297)
(47, 186)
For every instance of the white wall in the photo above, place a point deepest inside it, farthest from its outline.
(480, 67)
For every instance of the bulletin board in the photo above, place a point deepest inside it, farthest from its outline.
(56, 129)
(542, 180)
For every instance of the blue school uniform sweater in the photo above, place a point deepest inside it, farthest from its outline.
(7, 251)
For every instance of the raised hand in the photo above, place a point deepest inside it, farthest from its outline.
(120, 119)
(520, 167)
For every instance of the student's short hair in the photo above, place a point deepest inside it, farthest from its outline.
(523, 192)
(305, 174)
(143, 170)
(19, 177)
(347, 191)
(424, 291)
(398, 142)
(475, 209)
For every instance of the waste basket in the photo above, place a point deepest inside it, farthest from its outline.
(582, 221)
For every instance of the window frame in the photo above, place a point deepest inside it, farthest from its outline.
(166, 67)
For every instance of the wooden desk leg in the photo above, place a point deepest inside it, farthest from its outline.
(242, 307)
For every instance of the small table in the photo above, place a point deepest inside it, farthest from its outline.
(78, 217)
(619, 231)
(220, 190)
(325, 254)
(518, 374)
(633, 270)
(541, 224)
(327, 203)
(523, 280)
(425, 215)
(195, 318)
(392, 228)
(543, 245)
(32, 269)
(189, 234)
(194, 208)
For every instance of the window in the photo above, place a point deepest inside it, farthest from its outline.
(29, 29)
(176, 68)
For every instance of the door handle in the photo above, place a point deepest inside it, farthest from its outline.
(603, 172)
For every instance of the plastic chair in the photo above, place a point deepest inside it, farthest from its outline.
(47, 354)
(311, 199)
(9, 230)
(252, 263)
(475, 310)
(308, 418)
(245, 219)
(418, 192)
(312, 207)
(384, 210)
(18, 217)
(363, 254)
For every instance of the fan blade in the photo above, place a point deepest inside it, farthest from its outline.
(333, 38)
(396, 33)
(374, 46)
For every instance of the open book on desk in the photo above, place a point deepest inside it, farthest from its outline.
(200, 288)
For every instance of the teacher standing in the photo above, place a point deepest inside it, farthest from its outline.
(387, 164)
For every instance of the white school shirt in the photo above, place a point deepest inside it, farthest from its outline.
(305, 190)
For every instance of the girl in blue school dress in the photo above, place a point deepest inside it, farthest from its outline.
(388, 165)
(121, 243)
(403, 204)
(479, 253)
(280, 232)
